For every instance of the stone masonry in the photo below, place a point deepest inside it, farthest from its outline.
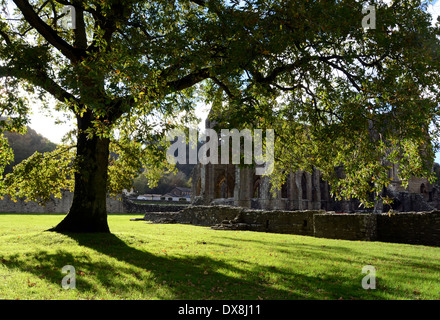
(54, 205)
(421, 228)
(229, 184)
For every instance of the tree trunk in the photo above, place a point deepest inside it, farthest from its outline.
(88, 212)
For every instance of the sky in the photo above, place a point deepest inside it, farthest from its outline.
(45, 122)
(46, 126)
(434, 9)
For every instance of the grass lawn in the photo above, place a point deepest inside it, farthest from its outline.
(169, 261)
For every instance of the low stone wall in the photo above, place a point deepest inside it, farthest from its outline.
(359, 226)
(54, 205)
(294, 222)
(402, 227)
(131, 207)
(209, 215)
(168, 217)
(278, 221)
(408, 227)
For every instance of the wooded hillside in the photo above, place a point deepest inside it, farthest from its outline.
(24, 145)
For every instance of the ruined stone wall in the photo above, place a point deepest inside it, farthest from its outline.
(410, 227)
(278, 221)
(131, 207)
(358, 226)
(208, 215)
(403, 227)
(406, 227)
(54, 205)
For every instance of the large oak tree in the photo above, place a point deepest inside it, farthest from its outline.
(335, 93)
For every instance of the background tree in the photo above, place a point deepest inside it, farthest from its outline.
(25, 145)
(165, 184)
(335, 93)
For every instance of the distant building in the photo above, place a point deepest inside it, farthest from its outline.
(178, 193)
(149, 197)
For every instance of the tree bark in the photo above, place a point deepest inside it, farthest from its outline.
(88, 212)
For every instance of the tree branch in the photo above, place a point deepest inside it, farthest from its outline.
(199, 2)
(189, 80)
(224, 87)
(46, 31)
(349, 76)
(40, 79)
(124, 104)
(80, 30)
(271, 77)
(6, 37)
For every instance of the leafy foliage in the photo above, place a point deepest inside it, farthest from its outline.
(342, 97)
(126, 167)
(165, 184)
(41, 175)
(6, 156)
(24, 145)
(336, 94)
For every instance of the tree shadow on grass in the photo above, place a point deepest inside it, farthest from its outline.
(399, 275)
(128, 272)
(197, 277)
(202, 277)
(48, 266)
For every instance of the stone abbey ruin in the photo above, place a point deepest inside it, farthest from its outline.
(229, 184)
(218, 184)
(233, 197)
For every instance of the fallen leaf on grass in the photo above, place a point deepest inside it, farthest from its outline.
(31, 284)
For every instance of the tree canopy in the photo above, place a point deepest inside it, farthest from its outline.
(25, 145)
(335, 93)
